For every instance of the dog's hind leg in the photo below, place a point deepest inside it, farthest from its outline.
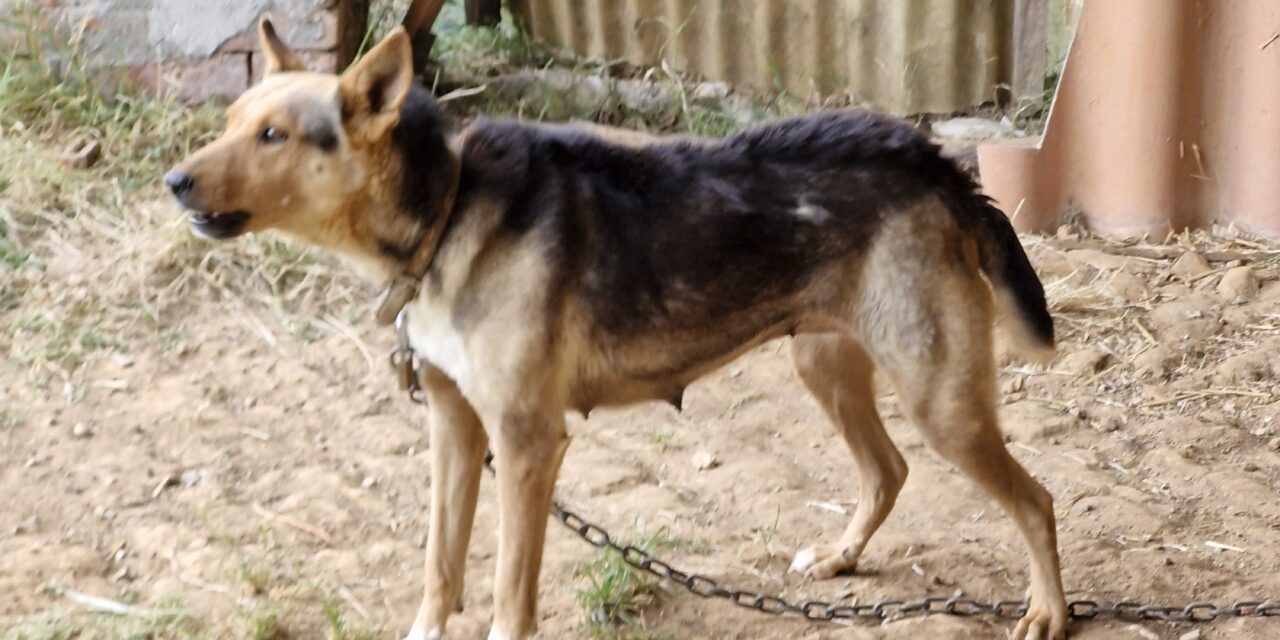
(458, 444)
(944, 371)
(838, 372)
(529, 449)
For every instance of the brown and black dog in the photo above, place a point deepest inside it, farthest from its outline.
(567, 271)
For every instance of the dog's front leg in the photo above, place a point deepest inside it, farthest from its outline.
(458, 444)
(529, 450)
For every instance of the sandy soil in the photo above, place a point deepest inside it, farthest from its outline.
(239, 464)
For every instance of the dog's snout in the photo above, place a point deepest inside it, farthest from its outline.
(179, 182)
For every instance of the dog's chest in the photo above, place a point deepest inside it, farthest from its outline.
(435, 340)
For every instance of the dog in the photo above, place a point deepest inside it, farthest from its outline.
(545, 269)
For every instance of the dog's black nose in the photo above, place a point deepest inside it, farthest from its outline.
(180, 182)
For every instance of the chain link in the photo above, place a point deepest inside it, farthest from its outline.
(403, 358)
(891, 609)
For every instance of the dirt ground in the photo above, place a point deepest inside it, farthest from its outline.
(246, 460)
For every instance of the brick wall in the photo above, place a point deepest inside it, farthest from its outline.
(206, 48)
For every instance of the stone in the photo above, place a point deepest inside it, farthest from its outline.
(1189, 265)
(1084, 362)
(1238, 285)
(82, 153)
(1109, 261)
(704, 460)
(1155, 362)
(191, 477)
(81, 430)
(1126, 287)
(971, 129)
(710, 93)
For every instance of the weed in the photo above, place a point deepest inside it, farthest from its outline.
(768, 533)
(662, 438)
(712, 123)
(9, 420)
(169, 623)
(256, 576)
(57, 91)
(613, 595)
(262, 622)
(338, 626)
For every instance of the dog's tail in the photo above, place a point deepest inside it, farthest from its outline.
(1019, 294)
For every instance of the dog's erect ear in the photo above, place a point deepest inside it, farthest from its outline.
(279, 57)
(374, 88)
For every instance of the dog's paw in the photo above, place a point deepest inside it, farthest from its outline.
(418, 633)
(498, 634)
(824, 561)
(1042, 623)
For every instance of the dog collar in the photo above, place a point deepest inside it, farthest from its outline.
(404, 287)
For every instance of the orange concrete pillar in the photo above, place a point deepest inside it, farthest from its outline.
(1167, 115)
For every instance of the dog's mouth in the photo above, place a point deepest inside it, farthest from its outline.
(217, 225)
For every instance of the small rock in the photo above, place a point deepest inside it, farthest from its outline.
(1154, 362)
(1126, 287)
(1084, 362)
(1109, 423)
(1250, 467)
(1014, 384)
(82, 153)
(191, 477)
(81, 430)
(971, 129)
(1274, 444)
(1194, 634)
(368, 482)
(26, 526)
(1108, 261)
(1144, 632)
(704, 460)
(1189, 265)
(1238, 285)
(709, 93)
(1067, 232)
(122, 360)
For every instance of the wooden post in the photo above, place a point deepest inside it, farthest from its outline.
(421, 15)
(1030, 27)
(418, 21)
(485, 13)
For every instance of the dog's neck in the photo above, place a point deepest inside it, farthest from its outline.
(408, 268)
(397, 217)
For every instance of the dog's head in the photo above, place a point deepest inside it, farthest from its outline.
(299, 148)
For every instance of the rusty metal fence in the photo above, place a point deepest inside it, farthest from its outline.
(902, 56)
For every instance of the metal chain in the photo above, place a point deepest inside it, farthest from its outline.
(404, 361)
(892, 609)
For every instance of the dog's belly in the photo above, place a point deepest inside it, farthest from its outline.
(660, 368)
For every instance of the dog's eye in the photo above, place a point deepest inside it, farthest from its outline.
(272, 135)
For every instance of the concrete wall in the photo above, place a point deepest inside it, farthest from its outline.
(203, 48)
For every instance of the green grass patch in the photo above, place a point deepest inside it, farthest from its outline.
(614, 596)
(340, 628)
(54, 90)
(168, 622)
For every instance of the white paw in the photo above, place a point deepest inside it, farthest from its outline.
(498, 634)
(418, 634)
(804, 560)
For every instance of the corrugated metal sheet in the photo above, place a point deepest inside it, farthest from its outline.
(905, 56)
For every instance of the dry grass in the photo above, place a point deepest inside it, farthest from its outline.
(93, 261)
(1144, 367)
